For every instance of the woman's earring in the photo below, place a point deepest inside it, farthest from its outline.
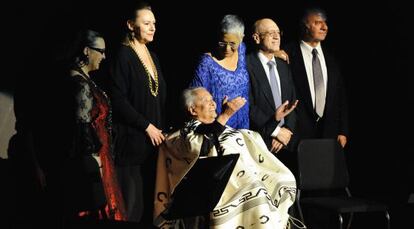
(131, 35)
(86, 59)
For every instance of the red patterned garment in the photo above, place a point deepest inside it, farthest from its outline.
(94, 110)
(101, 112)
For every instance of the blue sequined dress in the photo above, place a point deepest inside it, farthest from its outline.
(221, 82)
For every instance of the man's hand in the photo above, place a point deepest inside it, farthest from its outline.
(284, 136)
(155, 135)
(276, 146)
(342, 140)
(284, 109)
(282, 55)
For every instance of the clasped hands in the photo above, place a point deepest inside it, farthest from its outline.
(284, 135)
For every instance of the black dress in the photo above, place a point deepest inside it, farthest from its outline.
(135, 106)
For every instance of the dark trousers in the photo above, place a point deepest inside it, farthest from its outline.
(149, 170)
(137, 184)
(130, 182)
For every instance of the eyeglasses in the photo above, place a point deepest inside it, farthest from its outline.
(274, 34)
(101, 51)
(223, 44)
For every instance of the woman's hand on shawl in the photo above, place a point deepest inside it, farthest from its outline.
(155, 135)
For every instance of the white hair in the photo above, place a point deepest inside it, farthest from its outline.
(232, 24)
(189, 96)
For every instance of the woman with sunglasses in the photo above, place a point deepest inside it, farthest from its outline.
(91, 186)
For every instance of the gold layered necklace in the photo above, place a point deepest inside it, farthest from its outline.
(153, 88)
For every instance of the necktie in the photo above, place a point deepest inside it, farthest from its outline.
(318, 83)
(274, 86)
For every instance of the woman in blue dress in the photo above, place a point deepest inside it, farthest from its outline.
(223, 72)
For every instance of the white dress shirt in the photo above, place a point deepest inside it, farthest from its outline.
(307, 59)
(264, 60)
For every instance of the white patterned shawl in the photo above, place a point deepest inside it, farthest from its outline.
(259, 192)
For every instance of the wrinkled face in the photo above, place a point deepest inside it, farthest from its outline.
(96, 54)
(228, 44)
(144, 26)
(204, 108)
(317, 27)
(268, 36)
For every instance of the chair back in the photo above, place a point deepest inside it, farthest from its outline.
(321, 165)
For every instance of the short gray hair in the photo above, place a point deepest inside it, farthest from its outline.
(189, 96)
(304, 20)
(232, 24)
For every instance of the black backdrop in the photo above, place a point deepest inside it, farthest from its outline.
(371, 41)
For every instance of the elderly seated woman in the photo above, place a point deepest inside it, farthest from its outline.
(260, 189)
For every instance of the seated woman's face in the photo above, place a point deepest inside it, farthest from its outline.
(204, 108)
(229, 44)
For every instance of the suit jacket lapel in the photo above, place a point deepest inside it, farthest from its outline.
(302, 78)
(283, 73)
(261, 77)
(331, 79)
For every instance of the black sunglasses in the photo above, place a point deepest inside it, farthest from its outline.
(101, 51)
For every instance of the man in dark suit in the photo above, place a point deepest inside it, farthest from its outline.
(322, 112)
(271, 86)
